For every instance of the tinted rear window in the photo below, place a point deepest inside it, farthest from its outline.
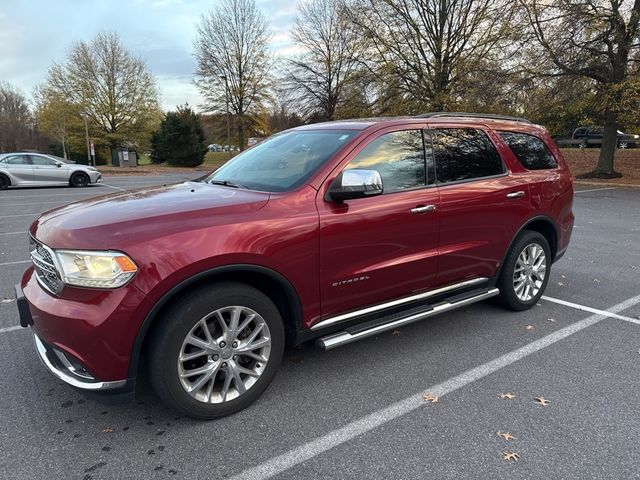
(530, 151)
(464, 154)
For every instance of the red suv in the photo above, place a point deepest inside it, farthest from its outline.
(335, 232)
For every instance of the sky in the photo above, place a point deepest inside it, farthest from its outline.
(36, 33)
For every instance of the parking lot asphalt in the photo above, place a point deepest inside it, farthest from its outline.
(358, 411)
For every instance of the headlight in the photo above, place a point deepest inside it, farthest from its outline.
(95, 269)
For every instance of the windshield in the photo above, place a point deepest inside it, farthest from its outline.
(283, 161)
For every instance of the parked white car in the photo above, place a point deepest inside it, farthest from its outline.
(36, 169)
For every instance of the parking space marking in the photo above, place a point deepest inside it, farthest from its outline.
(21, 215)
(22, 204)
(115, 188)
(11, 329)
(334, 438)
(584, 308)
(13, 233)
(14, 263)
(594, 190)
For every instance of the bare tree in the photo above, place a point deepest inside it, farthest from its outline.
(16, 121)
(426, 48)
(234, 61)
(593, 39)
(332, 52)
(113, 88)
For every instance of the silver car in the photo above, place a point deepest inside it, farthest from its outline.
(37, 169)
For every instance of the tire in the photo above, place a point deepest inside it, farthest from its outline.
(582, 145)
(509, 297)
(185, 319)
(4, 182)
(79, 180)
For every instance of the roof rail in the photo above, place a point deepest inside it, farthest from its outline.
(472, 115)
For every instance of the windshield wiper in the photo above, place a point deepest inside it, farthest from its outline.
(226, 183)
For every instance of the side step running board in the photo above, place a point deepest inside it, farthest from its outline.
(353, 334)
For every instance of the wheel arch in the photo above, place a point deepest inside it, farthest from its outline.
(541, 224)
(266, 280)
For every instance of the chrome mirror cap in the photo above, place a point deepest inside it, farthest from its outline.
(356, 183)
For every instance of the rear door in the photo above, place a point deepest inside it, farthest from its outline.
(48, 170)
(384, 247)
(19, 167)
(481, 203)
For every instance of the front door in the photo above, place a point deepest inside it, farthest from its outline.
(384, 247)
(46, 169)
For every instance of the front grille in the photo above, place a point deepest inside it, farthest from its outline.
(46, 271)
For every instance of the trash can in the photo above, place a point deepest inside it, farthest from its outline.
(127, 158)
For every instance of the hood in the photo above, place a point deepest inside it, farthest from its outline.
(107, 221)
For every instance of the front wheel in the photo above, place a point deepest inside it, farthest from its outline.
(79, 180)
(216, 350)
(525, 272)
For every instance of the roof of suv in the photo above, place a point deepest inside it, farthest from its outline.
(500, 121)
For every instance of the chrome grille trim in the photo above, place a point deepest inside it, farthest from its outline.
(43, 261)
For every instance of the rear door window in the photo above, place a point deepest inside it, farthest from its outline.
(530, 151)
(16, 160)
(464, 154)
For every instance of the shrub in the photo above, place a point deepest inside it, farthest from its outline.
(180, 139)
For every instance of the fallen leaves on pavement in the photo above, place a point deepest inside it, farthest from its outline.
(395, 333)
(529, 327)
(507, 396)
(7, 300)
(510, 456)
(542, 401)
(506, 435)
(430, 397)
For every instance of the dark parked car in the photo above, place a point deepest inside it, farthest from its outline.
(592, 137)
(332, 232)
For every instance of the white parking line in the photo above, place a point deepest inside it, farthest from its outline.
(13, 233)
(115, 188)
(21, 215)
(15, 263)
(584, 308)
(594, 190)
(22, 204)
(334, 438)
(11, 329)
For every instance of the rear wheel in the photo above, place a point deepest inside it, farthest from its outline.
(525, 272)
(217, 349)
(4, 182)
(79, 179)
(623, 144)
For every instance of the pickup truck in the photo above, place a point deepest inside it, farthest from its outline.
(584, 137)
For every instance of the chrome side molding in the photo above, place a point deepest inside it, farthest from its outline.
(400, 301)
(342, 338)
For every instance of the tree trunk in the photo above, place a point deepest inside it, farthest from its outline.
(605, 169)
(241, 132)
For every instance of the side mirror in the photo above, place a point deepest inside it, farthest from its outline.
(58, 165)
(356, 183)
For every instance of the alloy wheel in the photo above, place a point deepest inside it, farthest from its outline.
(224, 354)
(529, 272)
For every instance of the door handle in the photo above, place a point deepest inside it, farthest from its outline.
(424, 209)
(515, 194)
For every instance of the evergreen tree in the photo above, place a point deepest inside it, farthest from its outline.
(180, 140)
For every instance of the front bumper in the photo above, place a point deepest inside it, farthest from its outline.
(69, 370)
(84, 337)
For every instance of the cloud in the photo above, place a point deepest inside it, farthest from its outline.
(34, 35)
